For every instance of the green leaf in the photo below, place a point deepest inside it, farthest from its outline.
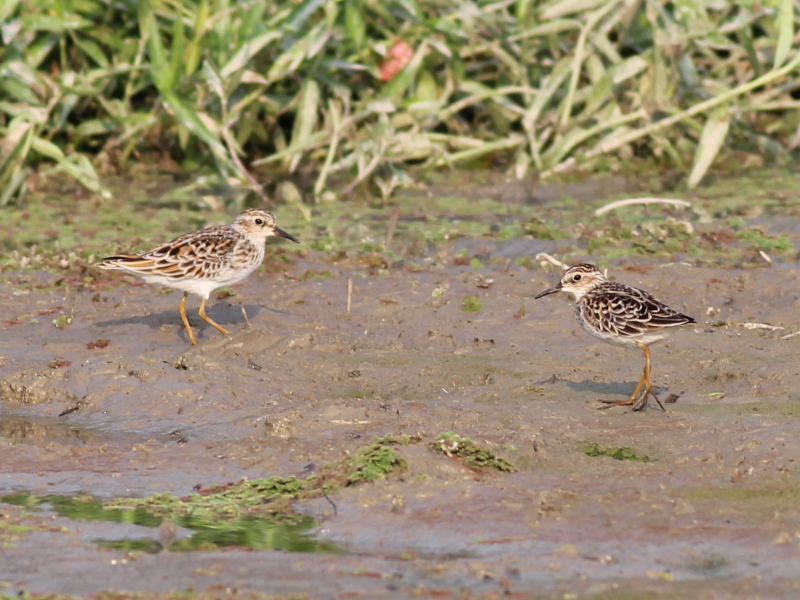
(293, 57)
(38, 50)
(194, 50)
(247, 51)
(158, 57)
(785, 32)
(177, 53)
(301, 14)
(426, 88)
(94, 127)
(354, 23)
(47, 148)
(189, 118)
(92, 50)
(80, 168)
(566, 7)
(213, 80)
(37, 21)
(550, 85)
(15, 146)
(305, 119)
(523, 10)
(7, 8)
(14, 184)
(714, 133)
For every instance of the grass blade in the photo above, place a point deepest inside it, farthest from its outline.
(785, 32)
(305, 119)
(714, 133)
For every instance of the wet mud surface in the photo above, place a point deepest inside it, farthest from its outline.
(713, 506)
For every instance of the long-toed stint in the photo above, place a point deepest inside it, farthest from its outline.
(203, 261)
(620, 315)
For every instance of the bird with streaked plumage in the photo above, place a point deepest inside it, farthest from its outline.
(202, 261)
(620, 315)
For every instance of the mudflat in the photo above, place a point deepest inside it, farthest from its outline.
(704, 497)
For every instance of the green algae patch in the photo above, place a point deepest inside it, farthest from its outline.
(453, 445)
(274, 496)
(617, 453)
(256, 513)
(471, 304)
(377, 460)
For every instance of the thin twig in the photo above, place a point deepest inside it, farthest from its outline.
(544, 257)
(349, 295)
(760, 326)
(392, 226)
(630, 201)
(328, 498)
(244, 313)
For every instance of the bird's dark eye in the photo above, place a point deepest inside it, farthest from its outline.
(576, 277)
(259, 221)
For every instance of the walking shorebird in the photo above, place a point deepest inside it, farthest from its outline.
(620, 315)
(203, 261)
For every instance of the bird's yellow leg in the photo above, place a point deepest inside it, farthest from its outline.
(182, 310)
(208, 319)
(638, 398)
(629, 401)
(642, 383)
(648, 381)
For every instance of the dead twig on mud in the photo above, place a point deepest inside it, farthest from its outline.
(349, 295)
(630, 201)
(760, 326)
(545, 258)
(391, 227)
(333, 504)
(246, 319)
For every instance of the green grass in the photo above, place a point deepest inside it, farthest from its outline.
(728, 225)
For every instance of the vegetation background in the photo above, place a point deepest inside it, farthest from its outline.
(355, 93)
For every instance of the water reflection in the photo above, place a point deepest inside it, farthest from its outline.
(42, 431)
(284, 531)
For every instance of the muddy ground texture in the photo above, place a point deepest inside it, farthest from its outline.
(712, 506)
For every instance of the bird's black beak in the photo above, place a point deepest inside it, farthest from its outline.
(552, 290)
(281, 233)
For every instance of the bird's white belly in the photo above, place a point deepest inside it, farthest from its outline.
(646, 338)
(199, 286)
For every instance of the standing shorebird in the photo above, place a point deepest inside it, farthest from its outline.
(621, 315)
(203, 261)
